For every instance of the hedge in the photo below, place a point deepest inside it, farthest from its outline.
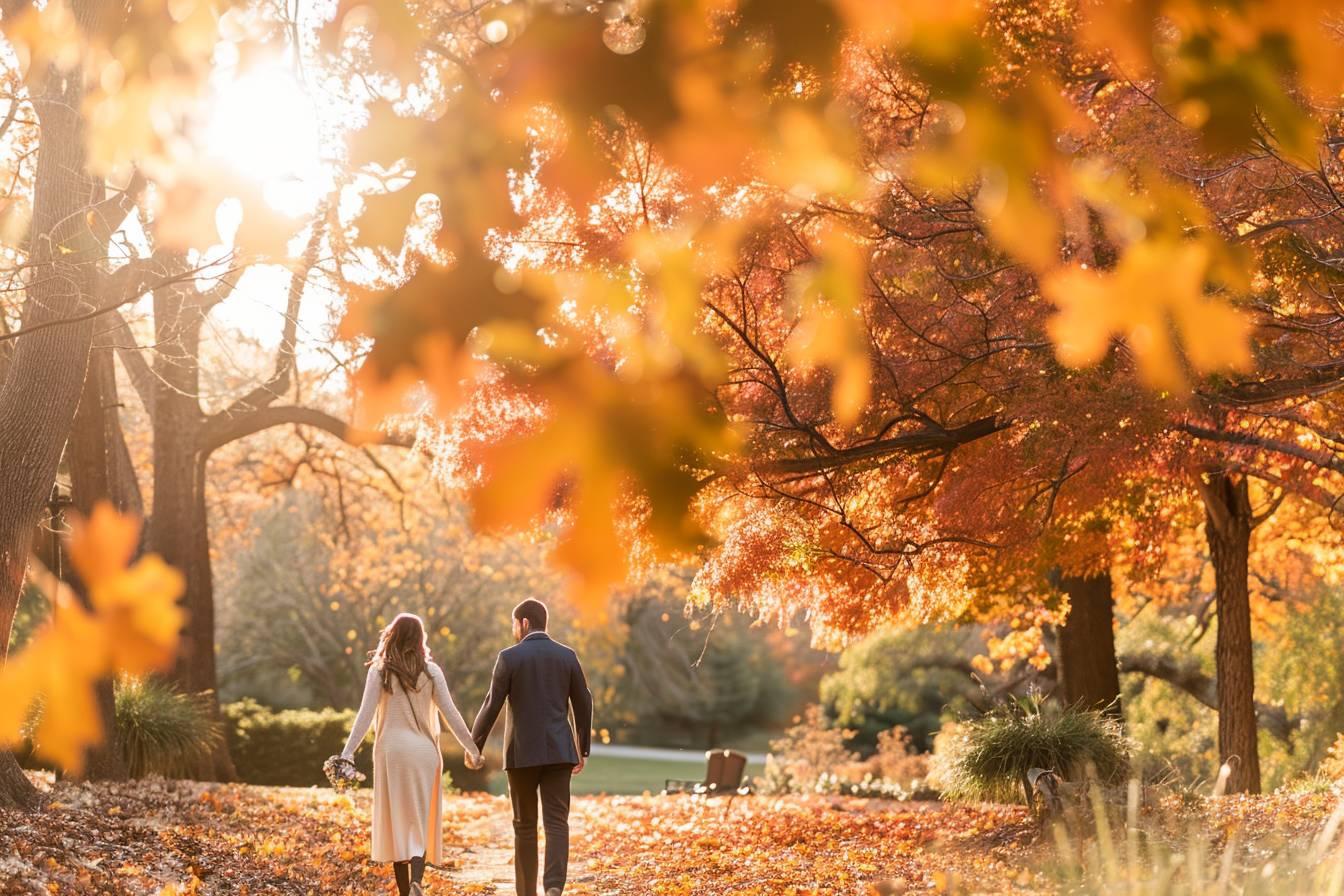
(288, 746)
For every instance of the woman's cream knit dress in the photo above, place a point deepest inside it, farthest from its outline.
(407, 764)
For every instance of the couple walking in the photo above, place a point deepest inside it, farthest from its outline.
(539, 680)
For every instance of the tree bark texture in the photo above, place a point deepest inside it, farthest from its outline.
(1228, 525)
(1088, 673)
(97, 459)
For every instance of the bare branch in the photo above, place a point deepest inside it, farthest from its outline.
(1317, 381)
(1278, 446)
(142, 377)
(285, 354)
(128, 283)
(932, 439)
(219, 431)
(1188, 677)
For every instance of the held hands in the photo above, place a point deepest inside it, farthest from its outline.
(474, 761)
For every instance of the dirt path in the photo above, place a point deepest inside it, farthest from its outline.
(486, 864)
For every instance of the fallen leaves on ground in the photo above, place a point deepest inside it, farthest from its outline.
(202, 839)
(206, 839)
(160, 837)
(794, 846)
(1280, 817)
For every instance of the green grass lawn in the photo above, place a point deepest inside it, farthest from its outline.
(619, 776)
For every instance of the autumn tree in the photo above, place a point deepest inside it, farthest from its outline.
(1026, 272)
(66, 241)
(79, 265)
(186, 435)
(100, 469)
(940, 222)
(1291, 561)
(1136, 432)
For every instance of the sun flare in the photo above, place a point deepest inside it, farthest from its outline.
(266, 126)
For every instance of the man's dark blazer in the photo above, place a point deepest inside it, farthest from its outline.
(540, 680)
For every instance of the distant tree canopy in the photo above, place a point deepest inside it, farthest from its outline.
(916, 679)
(703, 678)
(304, 602)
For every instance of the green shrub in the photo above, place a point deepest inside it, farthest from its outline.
(989, 757)
(901, 678)
(288, 746)
(26, 750)
(162, 730)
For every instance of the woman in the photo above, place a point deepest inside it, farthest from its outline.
(403, 695)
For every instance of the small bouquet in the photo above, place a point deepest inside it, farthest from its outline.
(341, 772)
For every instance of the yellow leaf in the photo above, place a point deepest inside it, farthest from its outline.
(523, 475)
(133, 627)
(188, 205)
(1155, 299)
(592, 546)
(44, 38)
(811, 157)
(59, 665)
(139, 610)
(19, 679)
(604, 441)
(1081, 328)
(1020, 223)
(102, 545)
(1125, 29)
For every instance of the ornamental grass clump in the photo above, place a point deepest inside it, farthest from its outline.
(162, 730)
(991, 756)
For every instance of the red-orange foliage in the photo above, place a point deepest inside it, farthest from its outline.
(898, 361)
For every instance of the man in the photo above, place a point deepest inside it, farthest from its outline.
(540, 680)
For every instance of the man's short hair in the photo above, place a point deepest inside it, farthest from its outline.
(534, 611)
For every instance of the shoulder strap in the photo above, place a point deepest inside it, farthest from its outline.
(416, 716)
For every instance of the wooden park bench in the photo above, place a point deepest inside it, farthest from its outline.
(725, 771)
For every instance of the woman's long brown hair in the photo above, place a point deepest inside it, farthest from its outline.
(404, 651)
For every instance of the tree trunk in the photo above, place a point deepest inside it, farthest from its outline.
(1228, 525)
(1088, 673)
(178, 532)
(185, 543)
(46, 369)
(185, 437)
(97, 474)
(179, 522)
